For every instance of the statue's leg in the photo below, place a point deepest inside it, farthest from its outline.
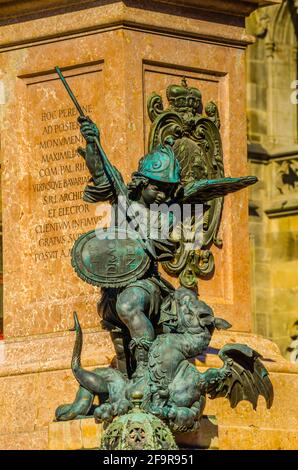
(120, 336)
(123, 354)
(133, 306)
(187, 398)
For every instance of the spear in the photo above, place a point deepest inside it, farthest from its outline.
(112, 175)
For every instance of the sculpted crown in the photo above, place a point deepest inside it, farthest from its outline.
(183, 98)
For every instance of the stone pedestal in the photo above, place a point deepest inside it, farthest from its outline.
(206, 437)
(114, 55)
(86, 434)
(79, 434)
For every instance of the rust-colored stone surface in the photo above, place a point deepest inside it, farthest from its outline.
(37, 440)
(75, 435)
(114, 56)
(24, 8)
(206, 437)
(86, 434)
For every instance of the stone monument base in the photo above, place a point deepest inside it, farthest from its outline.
(37, 375)
(85, 434)
(205, 438)
(78, 434)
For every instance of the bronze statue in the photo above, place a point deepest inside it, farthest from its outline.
(155, 329)
(171, 387)
(132, 311)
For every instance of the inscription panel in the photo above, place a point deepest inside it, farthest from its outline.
(57, 177)
(57, 182)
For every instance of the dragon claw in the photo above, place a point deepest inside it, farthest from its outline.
(103, 413)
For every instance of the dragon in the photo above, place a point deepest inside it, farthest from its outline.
(172, 387)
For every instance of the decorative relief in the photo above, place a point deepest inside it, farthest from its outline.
(287, 176)
(262, 24)
(292, 349)
(57, 172)
(197, 146)
(284, 200)
(269, 24)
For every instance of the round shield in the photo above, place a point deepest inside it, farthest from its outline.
(111, 257)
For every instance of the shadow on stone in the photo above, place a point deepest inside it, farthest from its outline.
(206, 437)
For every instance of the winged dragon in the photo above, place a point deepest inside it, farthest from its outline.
(172, 387)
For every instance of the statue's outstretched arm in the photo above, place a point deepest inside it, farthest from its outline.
(101, 186)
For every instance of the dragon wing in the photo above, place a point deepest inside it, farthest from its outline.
(206, 190)
(243, 377)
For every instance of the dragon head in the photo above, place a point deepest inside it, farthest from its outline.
(184, 312)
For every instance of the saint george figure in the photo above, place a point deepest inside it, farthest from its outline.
(131, 313)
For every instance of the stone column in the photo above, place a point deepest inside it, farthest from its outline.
(114, 55)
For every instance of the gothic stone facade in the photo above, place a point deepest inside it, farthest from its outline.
(273, 155)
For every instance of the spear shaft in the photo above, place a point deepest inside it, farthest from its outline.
(112, 175)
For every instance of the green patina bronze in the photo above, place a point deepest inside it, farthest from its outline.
(155, 328)
(138, 430)
(161, 165)
(198, 148)
(110, 257)
(171, 387)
